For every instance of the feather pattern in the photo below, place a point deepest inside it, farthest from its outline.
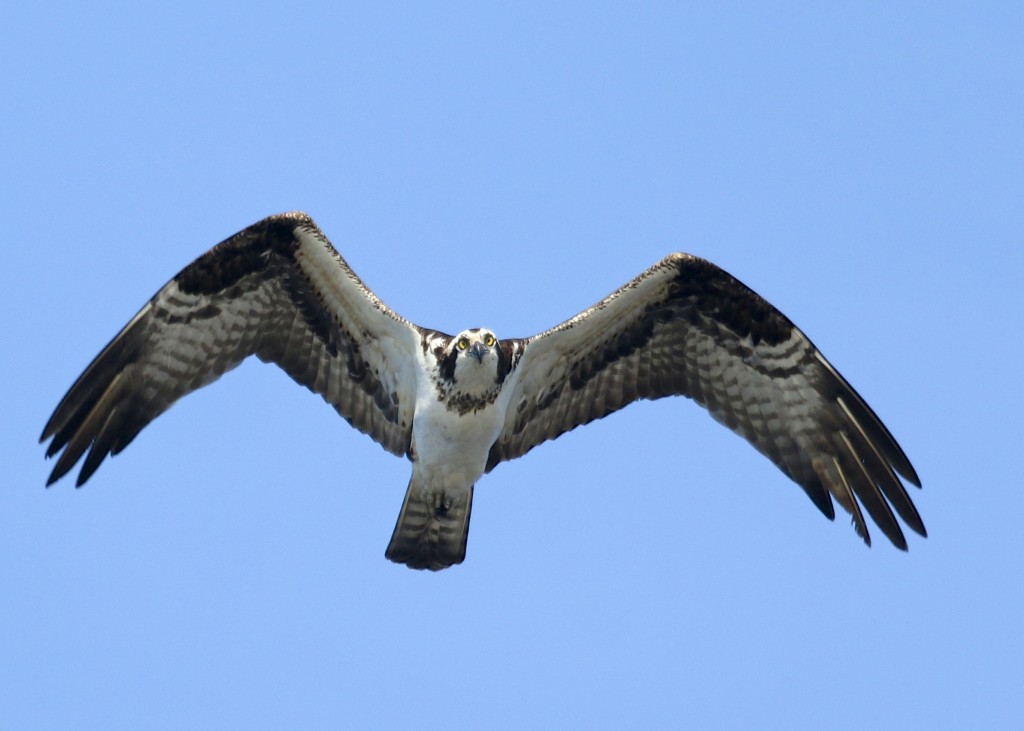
(277, 290)
(686, 327)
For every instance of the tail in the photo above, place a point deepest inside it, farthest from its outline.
(432, 528)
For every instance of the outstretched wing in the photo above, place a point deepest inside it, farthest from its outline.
(685, 327)
(277, 290)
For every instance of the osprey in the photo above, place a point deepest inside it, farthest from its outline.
(457, 406)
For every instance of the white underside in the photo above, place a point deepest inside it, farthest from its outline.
(451, 449)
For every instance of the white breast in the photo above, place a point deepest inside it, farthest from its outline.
(451, 449)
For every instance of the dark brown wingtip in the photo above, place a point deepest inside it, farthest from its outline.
(865, 536)
(860, 526)
(910, 475)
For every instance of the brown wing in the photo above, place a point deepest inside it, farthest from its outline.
(277, 290)
(685, 327)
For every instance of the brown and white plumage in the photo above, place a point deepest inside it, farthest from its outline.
(685, 327)
(458, 406)
(288, 300)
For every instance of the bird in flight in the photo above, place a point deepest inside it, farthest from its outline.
(459, 405)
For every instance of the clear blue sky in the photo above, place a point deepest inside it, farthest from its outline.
(860, 165)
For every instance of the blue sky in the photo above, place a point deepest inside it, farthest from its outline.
(858, 164)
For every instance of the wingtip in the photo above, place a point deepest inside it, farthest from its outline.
(56, 475)
(860, 527)
(862, 531)
(58, 471)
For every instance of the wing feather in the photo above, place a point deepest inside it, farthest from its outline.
(686, 327)
(277, 290)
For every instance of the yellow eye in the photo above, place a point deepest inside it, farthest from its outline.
(489, 340)
(462, 344)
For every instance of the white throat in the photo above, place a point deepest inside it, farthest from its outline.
(476, 378)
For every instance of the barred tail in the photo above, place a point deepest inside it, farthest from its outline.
(432, 528)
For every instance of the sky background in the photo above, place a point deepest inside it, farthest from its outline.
(858, 164)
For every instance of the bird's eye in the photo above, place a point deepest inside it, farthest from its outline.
(489, 340)
(462, 344)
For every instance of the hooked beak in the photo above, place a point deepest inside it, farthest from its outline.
(478, 350)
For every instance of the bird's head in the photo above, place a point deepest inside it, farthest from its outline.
(478, 344)
(472, 360)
